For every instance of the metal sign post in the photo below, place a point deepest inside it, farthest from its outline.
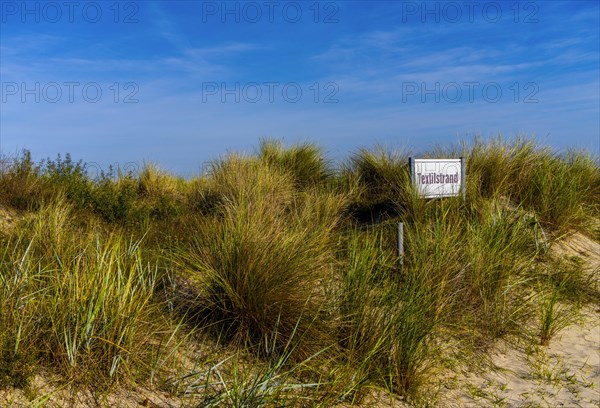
(463, 177)
(400, 240)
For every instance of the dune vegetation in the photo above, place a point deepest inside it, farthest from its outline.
(273, 279)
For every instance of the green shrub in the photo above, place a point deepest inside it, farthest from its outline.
(20, 184)
(69, 177)
(117, 200)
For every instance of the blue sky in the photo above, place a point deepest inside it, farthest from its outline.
(180, 83)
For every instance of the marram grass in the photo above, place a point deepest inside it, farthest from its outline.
(288, 266)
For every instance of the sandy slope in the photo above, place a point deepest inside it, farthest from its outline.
(564, 374)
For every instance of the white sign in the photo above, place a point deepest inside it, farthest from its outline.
(435, 178)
